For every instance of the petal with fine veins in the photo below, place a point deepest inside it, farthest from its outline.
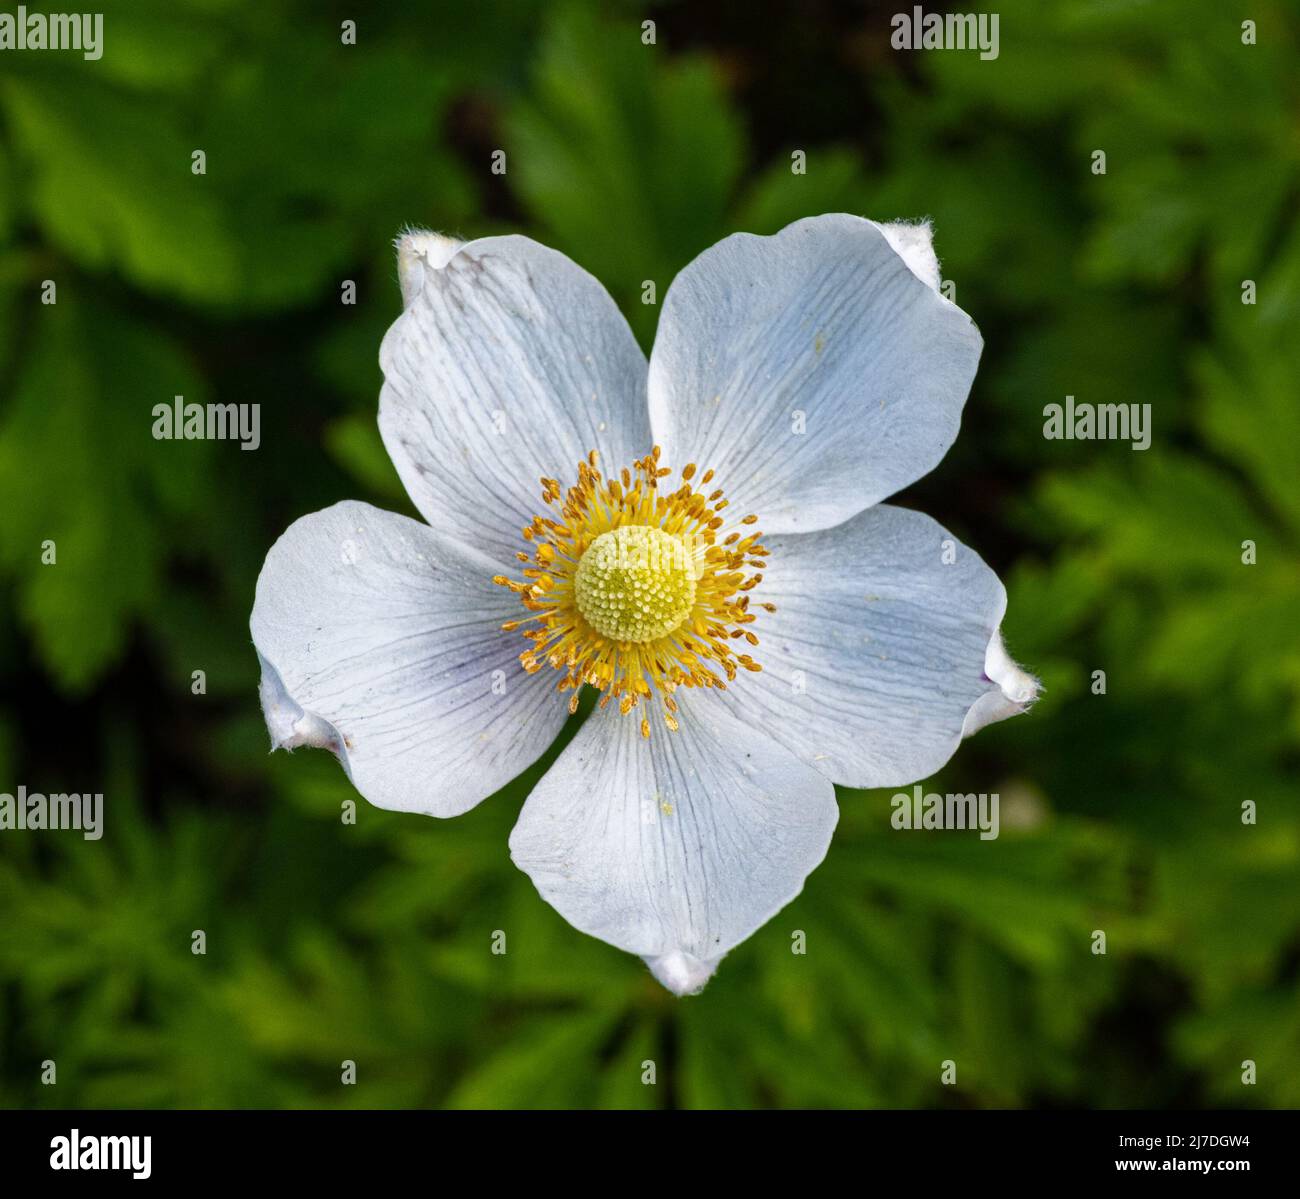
(815, 370)
(678, 847)
(382, 642)
(510, 364)
(884, 649)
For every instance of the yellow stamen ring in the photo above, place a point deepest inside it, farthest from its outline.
(630, 590)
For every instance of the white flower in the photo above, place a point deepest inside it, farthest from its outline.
(753, 647)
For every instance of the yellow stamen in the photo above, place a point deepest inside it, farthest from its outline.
(630, 590)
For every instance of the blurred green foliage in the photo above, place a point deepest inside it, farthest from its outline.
(1121, 812)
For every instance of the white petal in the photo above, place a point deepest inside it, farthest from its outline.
(679, 847)
(878, 655)
(510, 363)
(813, 370)
(382, 642)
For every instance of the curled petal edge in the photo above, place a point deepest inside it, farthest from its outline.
(1017, 689)
(419, 250)
(289, 724)
(913, 242)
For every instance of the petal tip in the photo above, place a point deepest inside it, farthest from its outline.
(913, 242)
(419, 250)
(682, 973)
(1017, 690)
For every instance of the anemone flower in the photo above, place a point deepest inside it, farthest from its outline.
(699, 538)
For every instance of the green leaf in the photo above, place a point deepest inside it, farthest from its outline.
(83, 412)
(1249, 413)
(835, 182)
(544, 1066)
(626, 161)
(356, 446)
(111, 185)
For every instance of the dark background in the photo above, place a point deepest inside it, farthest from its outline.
(1121, 812)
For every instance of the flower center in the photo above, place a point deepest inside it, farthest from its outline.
(635, 583)
(637, 590)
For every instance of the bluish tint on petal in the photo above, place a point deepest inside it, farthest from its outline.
(382, 642)
(876, 660)
(509, 364)
(815, 370)
(679, 847)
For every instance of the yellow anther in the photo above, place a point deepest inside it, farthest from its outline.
(630, 590)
